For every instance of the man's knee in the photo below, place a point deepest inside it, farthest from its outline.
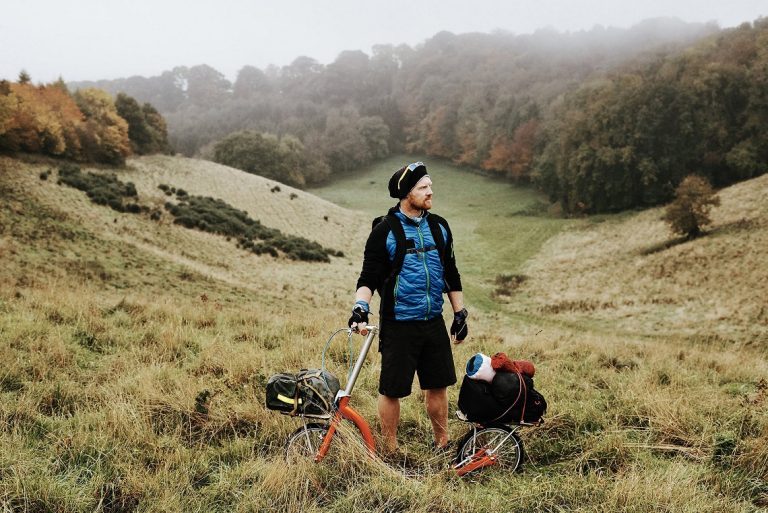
(436, 398)
(388, 405)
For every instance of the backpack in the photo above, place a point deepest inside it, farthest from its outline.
(400, 243)
(311, 392)
(510, 397)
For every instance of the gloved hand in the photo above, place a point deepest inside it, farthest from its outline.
(459, 328)
(359, 315)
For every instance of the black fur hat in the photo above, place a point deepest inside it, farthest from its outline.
(406, 179)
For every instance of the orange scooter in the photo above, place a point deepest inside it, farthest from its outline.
(482, 446)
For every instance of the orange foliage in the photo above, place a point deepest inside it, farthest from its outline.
(439, 132)
(467, 141)
(40, 119)
(105, 135)
(47, 119)
(514, 156)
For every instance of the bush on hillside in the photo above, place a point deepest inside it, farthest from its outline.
(689, 212)
(216, 216)
(102, 189)
(263, 154)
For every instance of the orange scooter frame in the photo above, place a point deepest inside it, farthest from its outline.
(344, 411)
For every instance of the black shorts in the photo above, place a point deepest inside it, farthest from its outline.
(415, 346)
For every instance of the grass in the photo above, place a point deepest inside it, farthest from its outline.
(113, 326)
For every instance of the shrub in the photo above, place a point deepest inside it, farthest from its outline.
(689, 212)
(101, 189)
(216, 216)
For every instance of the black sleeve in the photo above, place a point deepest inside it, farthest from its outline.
(450, 271)
(376, 263)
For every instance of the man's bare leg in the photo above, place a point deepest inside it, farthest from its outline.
(389, 416)
(436, 401)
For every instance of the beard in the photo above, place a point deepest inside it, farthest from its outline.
(420, 203)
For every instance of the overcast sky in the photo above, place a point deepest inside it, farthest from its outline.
(94, 39)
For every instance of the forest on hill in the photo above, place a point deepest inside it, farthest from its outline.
(603, 120)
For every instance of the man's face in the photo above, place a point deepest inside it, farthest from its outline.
(420, 197)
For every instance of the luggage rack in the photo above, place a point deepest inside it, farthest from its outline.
(463, 417)
(324, 416)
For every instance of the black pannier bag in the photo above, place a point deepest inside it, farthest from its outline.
(477, 402)
(282, 393)
(509, 398)
(311, 392)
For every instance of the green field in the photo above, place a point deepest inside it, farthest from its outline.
(497, 226)
(134, 352)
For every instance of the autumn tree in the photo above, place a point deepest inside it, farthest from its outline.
(689, 212)
(105, 134)
(39, 119)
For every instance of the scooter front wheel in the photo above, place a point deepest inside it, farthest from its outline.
(304, 443)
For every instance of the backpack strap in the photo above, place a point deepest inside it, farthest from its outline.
(399, 233)
(437, 234)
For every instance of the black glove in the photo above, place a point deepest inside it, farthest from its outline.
(359, 314)
(459, 328)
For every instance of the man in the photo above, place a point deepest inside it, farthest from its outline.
(409, 260)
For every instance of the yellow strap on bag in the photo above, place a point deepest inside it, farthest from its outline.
(288, 400)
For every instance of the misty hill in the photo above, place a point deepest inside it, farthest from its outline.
(582, 51)
(601, 121)
(398, 97)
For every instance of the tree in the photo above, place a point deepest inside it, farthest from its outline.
(250, 83)
(262, 154)
(105, 134)
(158, 130)
(138, 131)
(146, 127)
(689, 212)
(207, 87)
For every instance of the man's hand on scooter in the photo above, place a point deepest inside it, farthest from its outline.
(359, 319)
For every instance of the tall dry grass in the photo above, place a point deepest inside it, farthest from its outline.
(112, 332)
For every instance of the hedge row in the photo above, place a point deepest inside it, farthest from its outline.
(216, 216)
(102, 189)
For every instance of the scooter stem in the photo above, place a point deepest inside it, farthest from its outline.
(360, 360)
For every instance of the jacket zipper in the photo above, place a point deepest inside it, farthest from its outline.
(397, 286)
(426, 270)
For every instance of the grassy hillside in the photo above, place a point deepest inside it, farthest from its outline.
(628, 273)
(112, 327)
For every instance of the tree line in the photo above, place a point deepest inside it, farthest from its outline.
(86, 126)
(629, 138)
(601, 120)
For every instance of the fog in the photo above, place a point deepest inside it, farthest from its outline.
(102, 39)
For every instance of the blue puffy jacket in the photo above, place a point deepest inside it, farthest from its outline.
(416, 291)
